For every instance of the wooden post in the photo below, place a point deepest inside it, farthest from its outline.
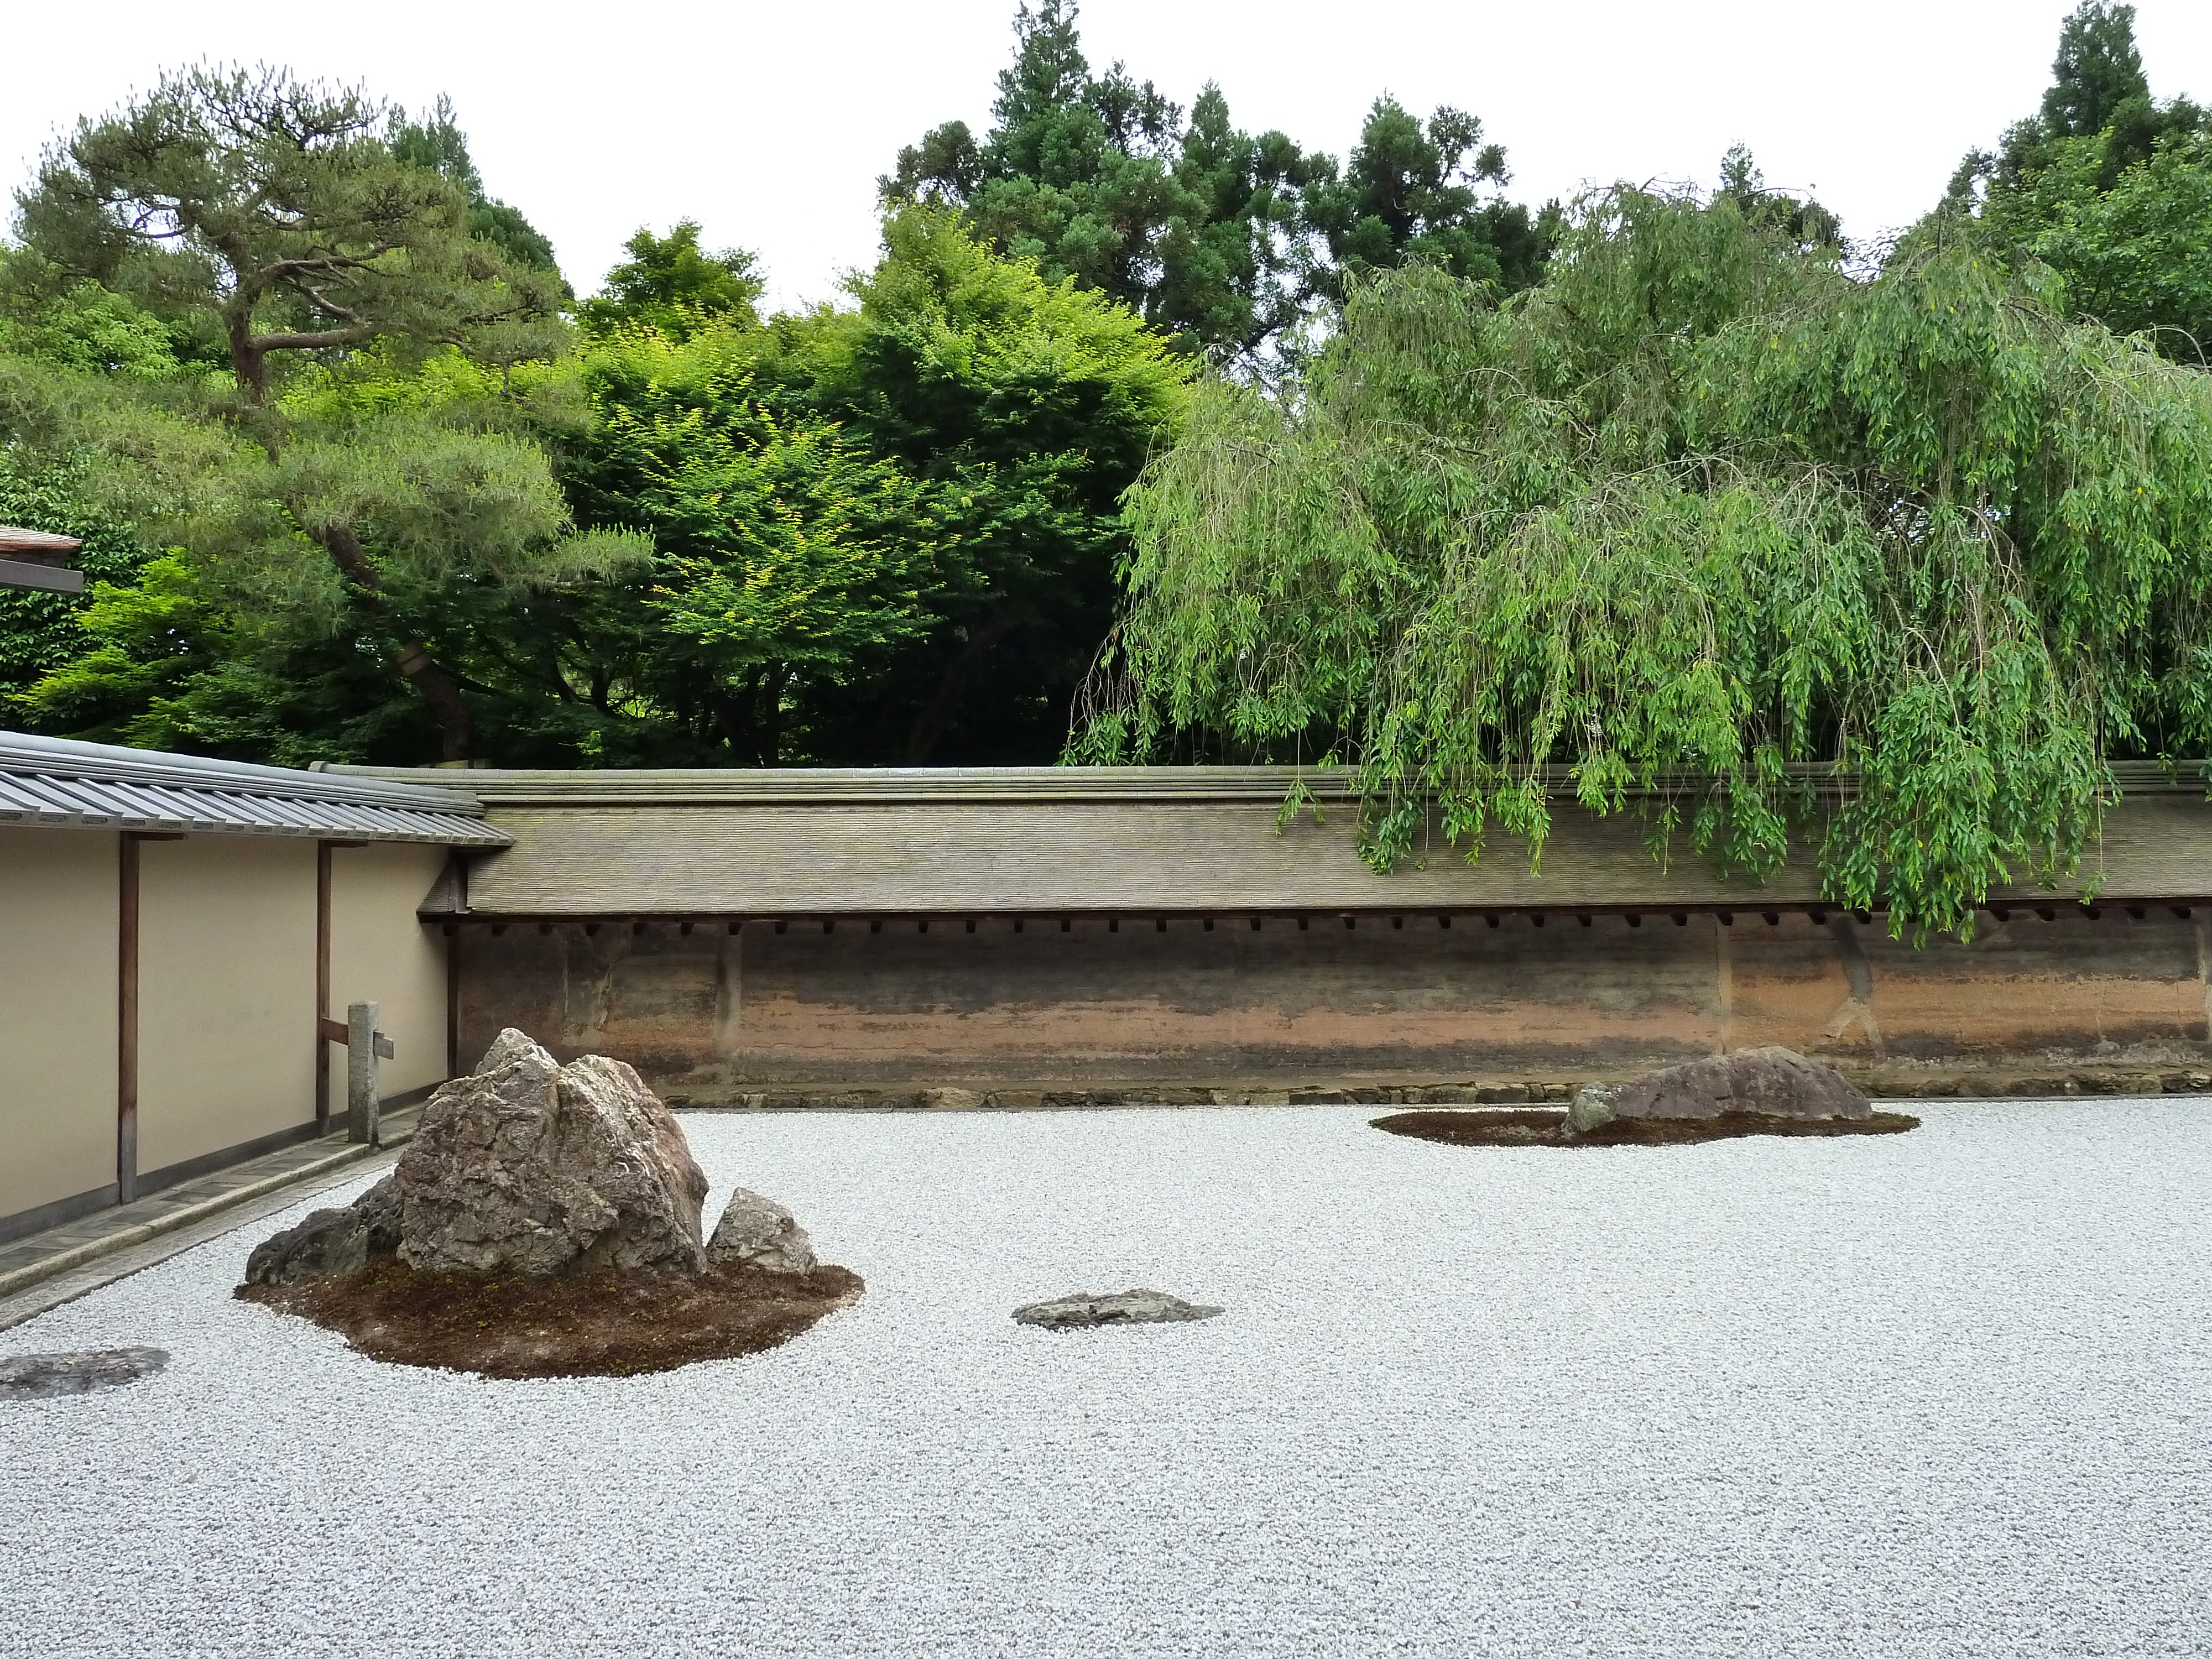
(126, 1007)
(361, 1103)
(322, 986)
(126, 1021)
(453, 999)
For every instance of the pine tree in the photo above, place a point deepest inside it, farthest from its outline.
(275, 209)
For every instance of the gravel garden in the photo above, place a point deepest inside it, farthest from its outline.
(1947, 1392)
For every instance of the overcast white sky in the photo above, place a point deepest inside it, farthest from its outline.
(770, 123)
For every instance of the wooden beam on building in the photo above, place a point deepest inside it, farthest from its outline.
(322, 986)
(127, 1020)
(33, 559)
(126, 1008)
(44, 578)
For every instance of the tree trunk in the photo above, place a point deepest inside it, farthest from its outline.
(248, 362)
(456, 727)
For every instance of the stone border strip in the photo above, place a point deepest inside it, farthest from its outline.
(129, 1235)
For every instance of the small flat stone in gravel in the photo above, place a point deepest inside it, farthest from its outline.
(1080, 1310)
(41, 1376)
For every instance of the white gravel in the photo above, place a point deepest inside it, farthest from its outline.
(1944, 1393)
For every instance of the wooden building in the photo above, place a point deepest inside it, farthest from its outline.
(172, 930)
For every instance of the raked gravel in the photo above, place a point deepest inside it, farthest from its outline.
(1944, 1393)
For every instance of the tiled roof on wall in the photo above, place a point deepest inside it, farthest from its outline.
(55, 783)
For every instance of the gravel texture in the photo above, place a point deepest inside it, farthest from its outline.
(1947, 1393)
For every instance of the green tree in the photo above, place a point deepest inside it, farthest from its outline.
(1226, 240)
(1413, 190)
(1702, 514)
(1027, 407)
(787, 557)
(1804, 224)
(275, 211)
(884, 534)
(670, 285)
(2107, 186)
(1099, 178)
(40, 633)
(436, 142)
(2098, 87)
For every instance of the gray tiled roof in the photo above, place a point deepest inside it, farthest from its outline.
(55, 783)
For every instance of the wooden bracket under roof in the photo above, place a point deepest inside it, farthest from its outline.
(33, 558)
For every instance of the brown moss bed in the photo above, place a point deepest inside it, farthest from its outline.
(600, 1322)
(1546, 1128)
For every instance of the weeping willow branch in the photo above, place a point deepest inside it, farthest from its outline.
(1697, 519)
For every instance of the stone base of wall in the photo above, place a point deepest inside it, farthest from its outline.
(1924, 1084)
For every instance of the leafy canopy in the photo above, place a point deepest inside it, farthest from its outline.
(1226, 240)
(275, 212)
(1414, 190)
(670, 284)
(1702, 515)
(275, 207)
(2107, 186)
(886, 533)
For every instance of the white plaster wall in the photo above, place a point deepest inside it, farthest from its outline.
(380, 953)
(58, 947)
(226, 993)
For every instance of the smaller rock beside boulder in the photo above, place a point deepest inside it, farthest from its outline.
(1080, 1310)
(41, 1376)
(757, 1231)
(330, 1242)
(1760, 1082)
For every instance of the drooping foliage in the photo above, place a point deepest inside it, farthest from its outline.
(1903, 563)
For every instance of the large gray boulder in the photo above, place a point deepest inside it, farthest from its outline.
(1771, 1082)
(757, 1231)
(526, 1165)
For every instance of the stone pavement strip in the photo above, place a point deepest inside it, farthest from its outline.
(48, 1268)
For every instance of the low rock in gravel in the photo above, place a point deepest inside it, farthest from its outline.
(39, 1375)
(330, 1242)
(327, 1243)
(1081, 1309)
(759, 1233)
(526, 1165)
(1762, 1082)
